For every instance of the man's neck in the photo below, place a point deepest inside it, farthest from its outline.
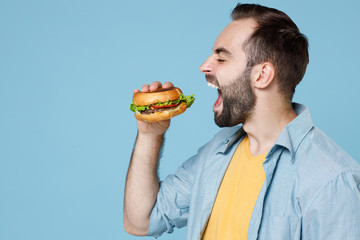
(265, 124)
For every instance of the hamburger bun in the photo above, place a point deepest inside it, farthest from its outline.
(161, 116)
(160, 105)
(159, 95)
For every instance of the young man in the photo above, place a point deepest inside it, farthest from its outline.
(274, 177)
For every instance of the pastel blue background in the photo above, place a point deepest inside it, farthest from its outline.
(67, 71)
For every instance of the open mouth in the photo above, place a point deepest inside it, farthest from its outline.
(213, 85)
(219, 100)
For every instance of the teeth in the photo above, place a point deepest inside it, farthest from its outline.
(212, 85)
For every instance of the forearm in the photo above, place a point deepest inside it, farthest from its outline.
(142, 183)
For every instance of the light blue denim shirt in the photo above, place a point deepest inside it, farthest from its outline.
(311, 190)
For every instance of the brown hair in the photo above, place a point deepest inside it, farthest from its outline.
(278, 40)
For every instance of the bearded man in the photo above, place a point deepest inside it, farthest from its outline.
(274, 176)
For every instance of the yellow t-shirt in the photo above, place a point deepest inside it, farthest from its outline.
(237, 196)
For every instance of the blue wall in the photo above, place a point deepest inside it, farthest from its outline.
(67, 71)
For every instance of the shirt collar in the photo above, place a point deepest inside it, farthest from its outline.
(229, 139)
(294, 132)
(290, 137)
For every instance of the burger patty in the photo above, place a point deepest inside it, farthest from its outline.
(156, 110)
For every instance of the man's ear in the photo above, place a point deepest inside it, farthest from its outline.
(263, 74)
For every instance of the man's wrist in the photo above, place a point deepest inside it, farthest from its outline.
(150, 137)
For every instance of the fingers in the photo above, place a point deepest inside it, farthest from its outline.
(145, 88)
(167, 85)
(153, 86)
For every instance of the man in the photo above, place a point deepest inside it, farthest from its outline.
(274, 177)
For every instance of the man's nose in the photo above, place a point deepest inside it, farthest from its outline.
(207, 67)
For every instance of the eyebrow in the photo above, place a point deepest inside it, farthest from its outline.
(222, 50)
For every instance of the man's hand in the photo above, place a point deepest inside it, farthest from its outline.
(142, 183)
(155, 128)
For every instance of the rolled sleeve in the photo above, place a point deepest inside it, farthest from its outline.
(172, 205)
(335, 211)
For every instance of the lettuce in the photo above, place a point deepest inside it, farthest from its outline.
(189, 100)
(135, 108)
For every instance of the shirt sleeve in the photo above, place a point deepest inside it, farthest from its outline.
(171, 208)
(335, 211)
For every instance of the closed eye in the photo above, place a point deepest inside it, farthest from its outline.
(220, 60)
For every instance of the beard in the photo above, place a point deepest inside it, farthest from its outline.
(238, 101)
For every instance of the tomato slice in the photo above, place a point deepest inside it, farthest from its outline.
(163, 106)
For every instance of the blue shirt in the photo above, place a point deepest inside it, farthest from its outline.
(311, 190)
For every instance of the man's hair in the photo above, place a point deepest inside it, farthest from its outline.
(278, 40)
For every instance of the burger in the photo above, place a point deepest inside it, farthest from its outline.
(161, 104)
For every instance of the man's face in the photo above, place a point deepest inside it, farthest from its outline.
(226, 70)
(238, 101)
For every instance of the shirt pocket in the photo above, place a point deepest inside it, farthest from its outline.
(279, 228)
